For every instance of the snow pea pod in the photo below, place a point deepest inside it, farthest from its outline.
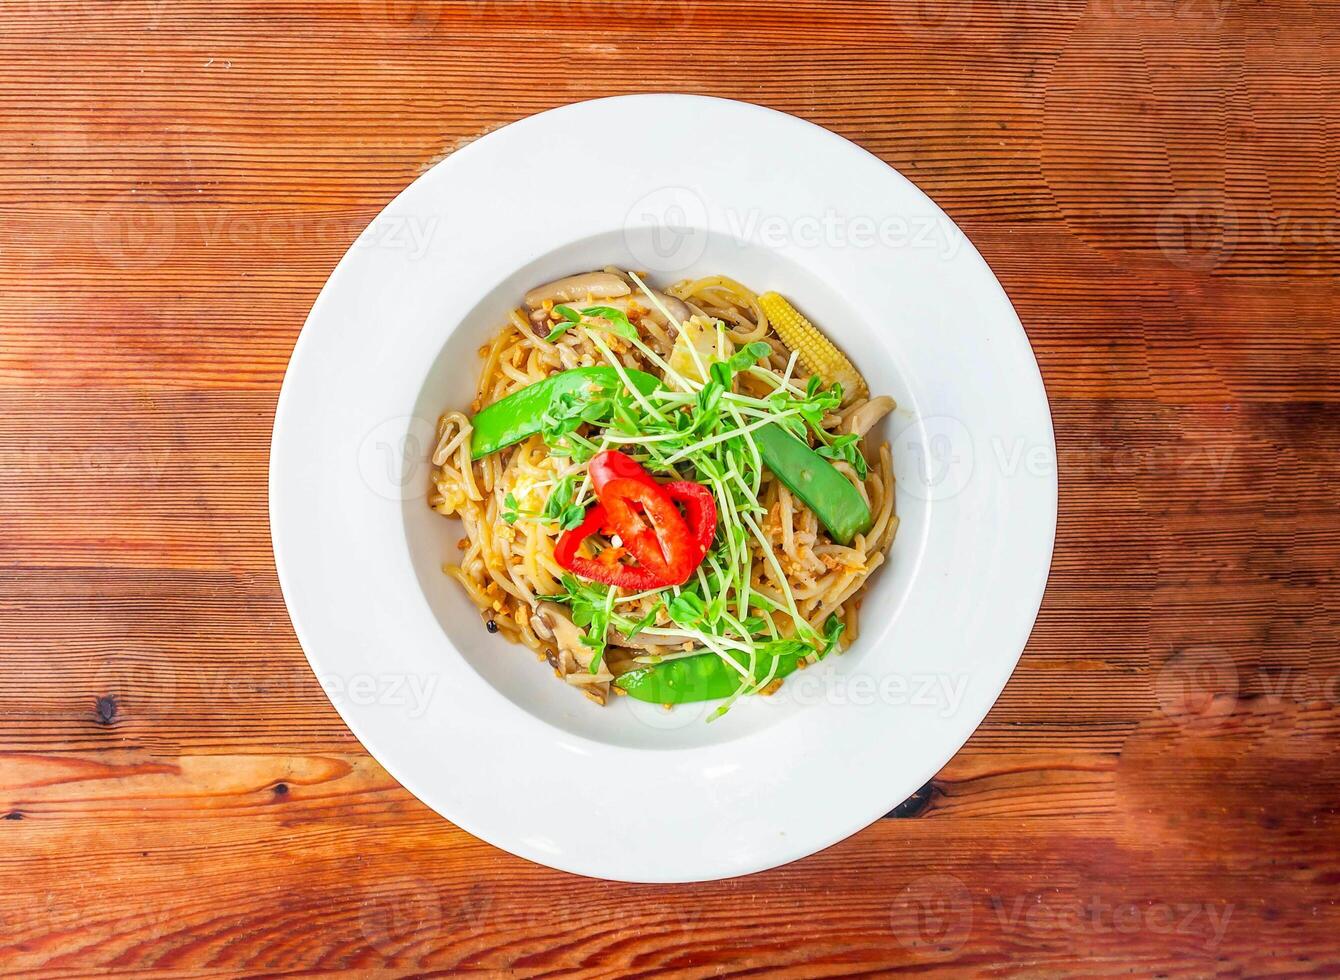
(704, 677)
(521, 414)
(838, 505)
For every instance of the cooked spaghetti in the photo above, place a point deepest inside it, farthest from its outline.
(639, 517)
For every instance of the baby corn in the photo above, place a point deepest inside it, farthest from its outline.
(817, 353)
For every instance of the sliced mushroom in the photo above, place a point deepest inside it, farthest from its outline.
(597, 285)
(553, 625)
(675, 307)
(865, 418)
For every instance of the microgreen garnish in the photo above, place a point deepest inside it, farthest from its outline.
(704, 431)
(570, 318)
(687, 609)
(560, 509)
(616, 319)
(511, 510)
(846, 449)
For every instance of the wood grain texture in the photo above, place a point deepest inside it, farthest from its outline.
(1156, 184)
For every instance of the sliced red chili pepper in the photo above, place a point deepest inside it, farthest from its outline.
(699, 505)
(700, 510)
(630, 577)
(667, 545)
(613, 465)
(651, 527)
(638, 579)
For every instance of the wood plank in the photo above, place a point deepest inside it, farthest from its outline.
(1154, 183)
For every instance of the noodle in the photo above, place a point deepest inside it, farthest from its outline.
(507, 569)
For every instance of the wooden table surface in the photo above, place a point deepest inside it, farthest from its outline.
(1155, 184)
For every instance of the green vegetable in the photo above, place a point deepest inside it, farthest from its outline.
(570, 318)
(702, 677)
(700, 426)
(616, 318)
(687, 609)
(848, 449)
(706, 677)
(837, 504)
(748, 357)
(560, 508)
(521, 413)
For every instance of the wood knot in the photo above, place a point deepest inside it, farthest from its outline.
(104, 709)
(916, 804)
(281, 789)
(14, 815)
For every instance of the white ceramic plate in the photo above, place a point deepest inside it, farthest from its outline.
(479, 730)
